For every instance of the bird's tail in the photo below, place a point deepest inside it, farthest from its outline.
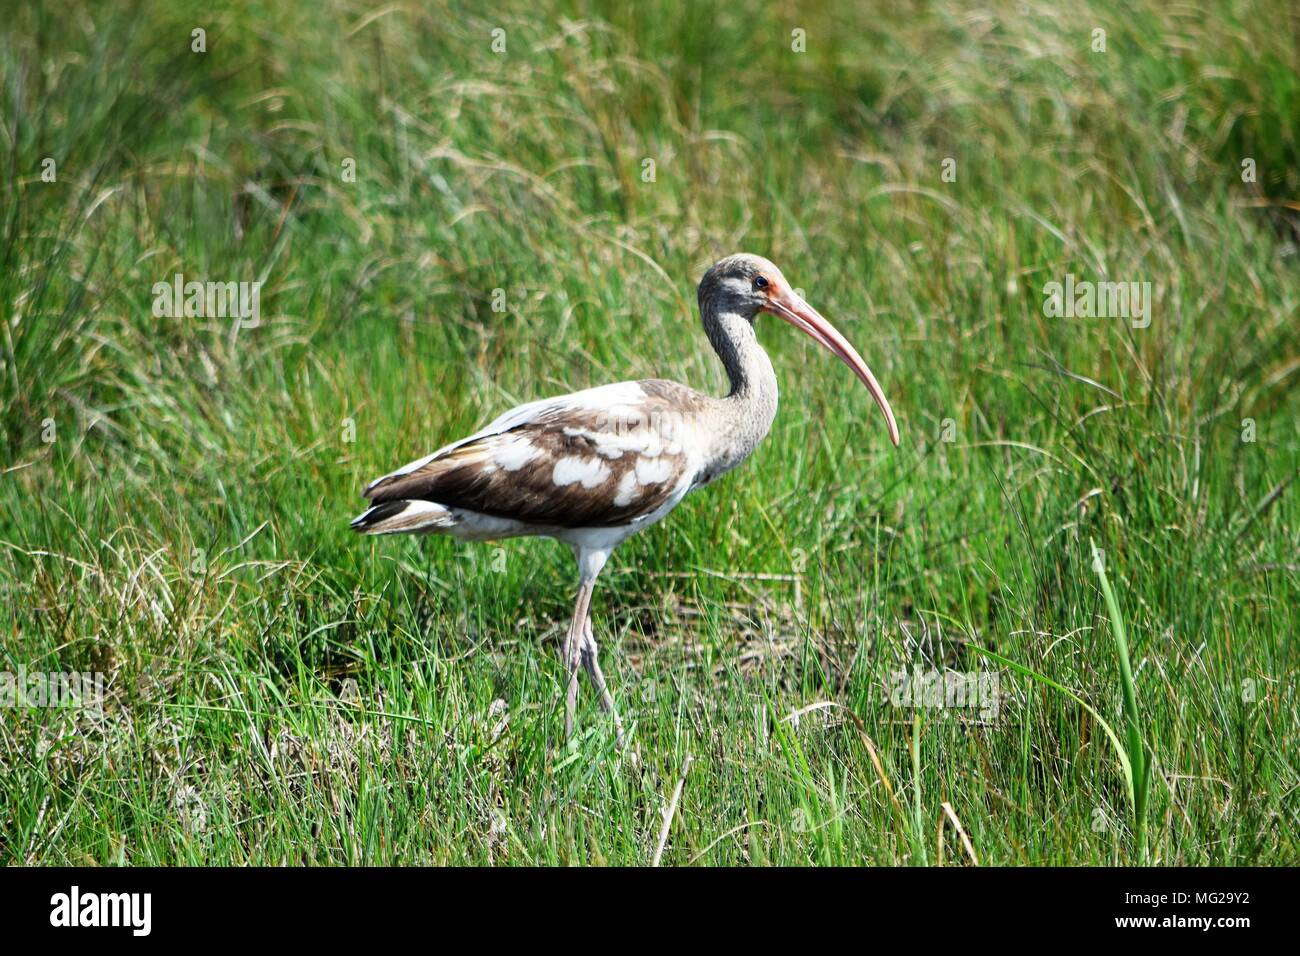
(403, 517)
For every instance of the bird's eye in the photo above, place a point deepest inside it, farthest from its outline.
(760, 282)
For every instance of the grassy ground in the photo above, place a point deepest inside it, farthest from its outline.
(176, 491)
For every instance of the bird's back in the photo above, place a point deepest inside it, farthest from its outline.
(618, 455)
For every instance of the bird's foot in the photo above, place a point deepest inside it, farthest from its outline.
(572, 659)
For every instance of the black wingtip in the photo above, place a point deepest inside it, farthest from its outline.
(378, 513)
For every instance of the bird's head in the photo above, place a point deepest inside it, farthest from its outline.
(746, 285)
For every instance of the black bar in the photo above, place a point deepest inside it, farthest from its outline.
(302, 906)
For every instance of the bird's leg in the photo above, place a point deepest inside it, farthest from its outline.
(573, 643)
(591, 662)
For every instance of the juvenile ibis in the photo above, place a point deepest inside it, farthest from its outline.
(595, 467)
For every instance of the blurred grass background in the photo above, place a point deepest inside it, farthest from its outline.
(175, 492)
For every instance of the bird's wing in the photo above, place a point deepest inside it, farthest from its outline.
(603, 457)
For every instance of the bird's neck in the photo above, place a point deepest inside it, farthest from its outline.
(746, 414)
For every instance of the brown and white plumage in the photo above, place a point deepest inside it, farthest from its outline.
(596, 466)
(605, 457)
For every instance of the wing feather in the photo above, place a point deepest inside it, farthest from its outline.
(603, 457)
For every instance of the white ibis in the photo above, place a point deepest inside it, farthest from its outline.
(595, 467)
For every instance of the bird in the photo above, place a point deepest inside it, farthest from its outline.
(594, 467)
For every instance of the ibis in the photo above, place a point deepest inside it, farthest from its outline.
(594, 467)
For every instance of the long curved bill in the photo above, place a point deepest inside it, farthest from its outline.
(808, 320)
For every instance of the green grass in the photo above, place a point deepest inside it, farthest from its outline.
(175, 493)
